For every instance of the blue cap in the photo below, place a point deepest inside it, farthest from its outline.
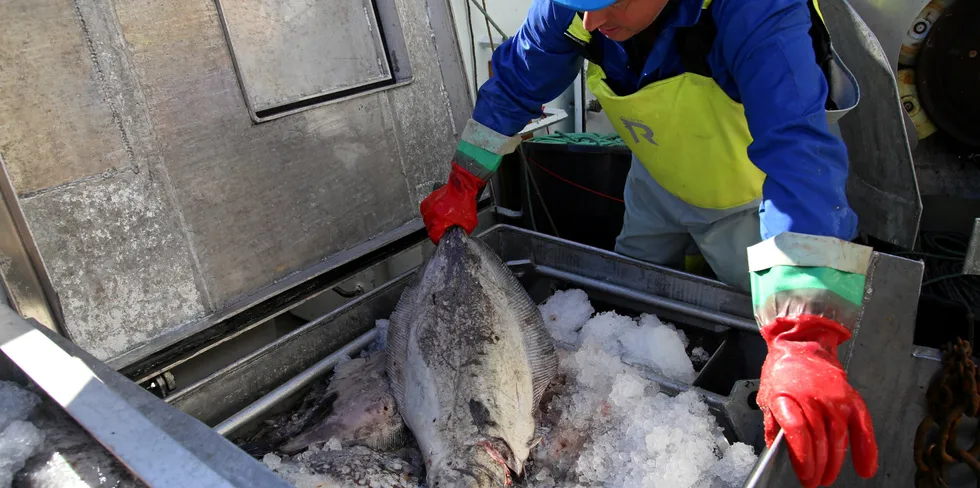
(585, 5)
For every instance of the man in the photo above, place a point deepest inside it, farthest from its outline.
(725, 105)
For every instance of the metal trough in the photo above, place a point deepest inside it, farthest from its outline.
(236, 398)
(272, 379)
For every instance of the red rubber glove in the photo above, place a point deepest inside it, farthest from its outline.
(804, 390)
(453, 204)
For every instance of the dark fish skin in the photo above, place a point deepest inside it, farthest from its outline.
(355, 406)
(282, 427)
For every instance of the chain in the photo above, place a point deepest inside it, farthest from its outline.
(951, 396)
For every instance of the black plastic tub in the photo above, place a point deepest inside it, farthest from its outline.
(582, 187)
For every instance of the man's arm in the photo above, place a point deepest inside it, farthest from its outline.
(770, 53)
(807, 281)
(530, 69)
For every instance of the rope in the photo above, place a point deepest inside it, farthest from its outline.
(582, 139)
(529, 180)
(490, 19)
(576, 185)
(943, 254)
(486, 19)
(469, 29)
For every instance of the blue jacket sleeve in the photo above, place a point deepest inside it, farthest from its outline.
(530, 69)
(770, 54)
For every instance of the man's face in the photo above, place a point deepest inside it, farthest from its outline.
(625, 18)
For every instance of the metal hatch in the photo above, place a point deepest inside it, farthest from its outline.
(160, 208)
(294, 55)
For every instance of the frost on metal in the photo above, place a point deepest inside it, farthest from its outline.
(55, 126)
(118, 263)
(422, 109)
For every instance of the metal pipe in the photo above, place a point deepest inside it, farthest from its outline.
(469, 31)
(165, 367)
(579, 103)
(295, 384)
(725, 319)
(775, 455)
(489, 19)
(711, 398)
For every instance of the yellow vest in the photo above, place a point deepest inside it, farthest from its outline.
(688, 133)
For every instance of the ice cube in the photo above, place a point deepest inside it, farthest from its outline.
(18, 442)
(16, 403)
(564, 313)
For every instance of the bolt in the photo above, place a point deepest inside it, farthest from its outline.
(973, 53)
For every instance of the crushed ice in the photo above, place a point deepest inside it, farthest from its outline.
(565, 313)
(699, 355)
(608, 425)
(380, 340)
(647, 341)
(615, 425)
(19, 438)
(333, 444)
(635, 435)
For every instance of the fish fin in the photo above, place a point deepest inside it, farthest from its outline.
(398, 325)
(387, 441)
(382, 441)
(257, 449)
(296, 444)
(534, 442)
(538, 343)
(312, 434)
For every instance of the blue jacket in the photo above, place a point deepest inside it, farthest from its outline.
(763, 58)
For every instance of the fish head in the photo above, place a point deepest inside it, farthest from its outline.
(368, 409)
(362, 411)
(380, 406)
(479, 466)
(380, 426)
